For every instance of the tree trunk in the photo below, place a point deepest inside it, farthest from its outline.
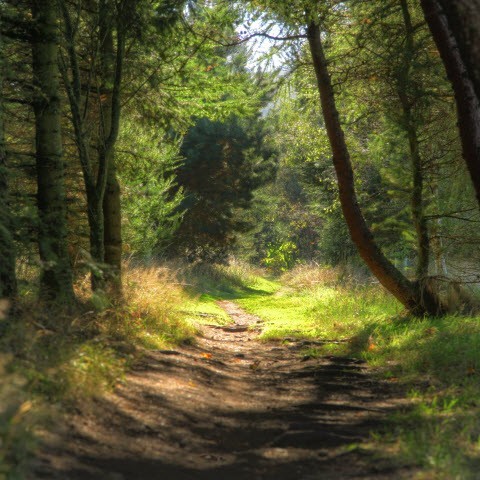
(464, 21)
(97, 250)
(417, 300)
(95, 182)
(410, 128)
(56, 275)
(8, 283)
(468, 109)
(113, 226)
(109, 124)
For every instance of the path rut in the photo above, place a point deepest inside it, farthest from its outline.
(229, 408)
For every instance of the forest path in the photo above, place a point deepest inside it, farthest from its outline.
(229, 408)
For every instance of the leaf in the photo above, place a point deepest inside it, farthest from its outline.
(255, 365)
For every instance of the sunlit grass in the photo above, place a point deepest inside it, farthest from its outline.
(437, 360)
(320, 312)
(206, 285)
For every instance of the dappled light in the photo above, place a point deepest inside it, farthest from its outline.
(239, 239)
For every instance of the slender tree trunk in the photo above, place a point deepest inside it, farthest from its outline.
(113, 226)
(95, 181)
(56, 276)
(97, 250)
(468, 108)
(409, 126)
(417, 300)
(110, 117)
(8, 283)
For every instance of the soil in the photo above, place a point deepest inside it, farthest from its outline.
(229, 408)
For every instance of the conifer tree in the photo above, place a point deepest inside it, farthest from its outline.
(8, 284)
(56, 276)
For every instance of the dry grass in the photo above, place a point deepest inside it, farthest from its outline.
(67, 355)
(153, 296)
(307, 276)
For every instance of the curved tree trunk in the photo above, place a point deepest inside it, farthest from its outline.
(468, 108)
(417, 300)
(8, 283)
(56, 276)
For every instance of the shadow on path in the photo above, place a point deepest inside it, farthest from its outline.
(229, 408)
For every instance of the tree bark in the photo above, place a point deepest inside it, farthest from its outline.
(467, 102)
(464, 21)
(8, 282)
(419, 301)
(56, 276)
(110, 118)
(95, 182)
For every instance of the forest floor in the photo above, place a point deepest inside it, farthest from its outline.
(230, 407)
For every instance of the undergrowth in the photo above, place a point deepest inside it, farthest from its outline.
(63, 358)
(435, 360)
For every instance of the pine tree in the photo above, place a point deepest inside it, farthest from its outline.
(56, 277)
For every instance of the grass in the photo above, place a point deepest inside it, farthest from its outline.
(206, 285)
(64, 359)
(439, 361)
(313, 309)
(435, 360)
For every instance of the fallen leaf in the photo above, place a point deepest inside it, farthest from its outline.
(255, 365)
(431, 331)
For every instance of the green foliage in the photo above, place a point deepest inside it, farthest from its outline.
(151, 213)
(280, 257)
(283, 212)
(223, 166)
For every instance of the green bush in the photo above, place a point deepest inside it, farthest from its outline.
(280, 257)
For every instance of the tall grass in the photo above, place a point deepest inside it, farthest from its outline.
(68, 356)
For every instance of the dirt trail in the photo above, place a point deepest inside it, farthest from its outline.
(228, 408)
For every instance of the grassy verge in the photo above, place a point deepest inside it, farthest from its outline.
(59, 358)
(206, 285)
(436, 360)
(50, 360)
(63, 359)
